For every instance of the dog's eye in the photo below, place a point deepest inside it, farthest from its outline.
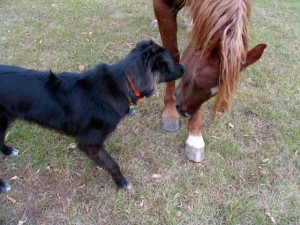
(167, 63)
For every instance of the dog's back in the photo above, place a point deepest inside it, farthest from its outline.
(30, 95)
(64, 102)
(18, 84)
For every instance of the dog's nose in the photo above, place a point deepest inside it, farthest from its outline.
(183, 68)
(176, 94)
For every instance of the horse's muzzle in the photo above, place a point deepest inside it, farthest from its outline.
(178, 107)
(182, 113)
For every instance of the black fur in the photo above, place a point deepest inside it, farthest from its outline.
(86, 105)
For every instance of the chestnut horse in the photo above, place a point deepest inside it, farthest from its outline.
(215, 56)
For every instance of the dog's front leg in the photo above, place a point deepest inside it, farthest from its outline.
(100, 156)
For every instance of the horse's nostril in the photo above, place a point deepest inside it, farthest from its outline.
(177, 107)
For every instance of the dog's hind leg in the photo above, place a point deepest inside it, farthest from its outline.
(100, 156)
(4, 187)
(9, 151)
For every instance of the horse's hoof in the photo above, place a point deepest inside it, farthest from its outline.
(4, 187)
(194, 154)
(170, 125)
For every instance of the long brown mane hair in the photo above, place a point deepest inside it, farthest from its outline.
(227, 22)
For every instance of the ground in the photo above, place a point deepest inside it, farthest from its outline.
(251, 174)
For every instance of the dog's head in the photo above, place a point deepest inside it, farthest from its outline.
(152, 64)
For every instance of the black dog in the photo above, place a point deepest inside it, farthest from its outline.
(86, 105)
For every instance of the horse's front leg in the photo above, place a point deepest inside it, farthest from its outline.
(195, 146)
(166, 17)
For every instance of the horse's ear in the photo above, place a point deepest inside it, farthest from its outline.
(253, 55)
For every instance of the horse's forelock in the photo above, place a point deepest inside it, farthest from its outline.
(231, 19)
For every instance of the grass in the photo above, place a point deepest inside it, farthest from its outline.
(251, 175)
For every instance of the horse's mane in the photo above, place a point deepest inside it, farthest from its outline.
(227, 22)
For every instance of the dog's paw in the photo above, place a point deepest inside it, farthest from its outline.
(4, 187)
(13, 152)
(10, 151)
(127, 186)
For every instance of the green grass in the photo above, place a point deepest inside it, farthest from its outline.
(251, 172)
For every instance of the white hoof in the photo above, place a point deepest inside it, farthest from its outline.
(194, 154)
(195, 147)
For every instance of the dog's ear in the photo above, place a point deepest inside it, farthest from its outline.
(152, 48)
(155, 47)
(144, 44)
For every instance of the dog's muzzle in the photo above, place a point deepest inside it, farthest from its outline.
(184, 69)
